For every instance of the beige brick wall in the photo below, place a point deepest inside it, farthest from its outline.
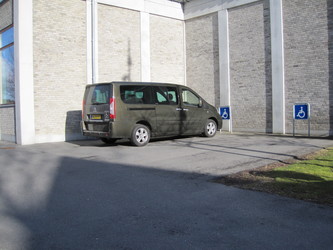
(6, 14)
(202, 57)
(250, 63)
(167, 50)
(60, 59)
(7, 124)
(118, 44)
(308, 35)
(59, 67)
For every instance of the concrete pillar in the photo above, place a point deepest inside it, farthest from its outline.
(224, 64)
(24, 83)
(278, 85)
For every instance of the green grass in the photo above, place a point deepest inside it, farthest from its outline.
(310, 180)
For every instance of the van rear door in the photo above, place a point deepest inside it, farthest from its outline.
(96, 107)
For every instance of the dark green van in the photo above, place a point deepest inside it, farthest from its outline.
(139, 111)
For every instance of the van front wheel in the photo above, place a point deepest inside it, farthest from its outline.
(210, 128)
(140, 135)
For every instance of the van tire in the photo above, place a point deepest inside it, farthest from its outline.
(210, 128)
(140, 135)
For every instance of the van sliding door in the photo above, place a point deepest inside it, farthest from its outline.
(168, 115)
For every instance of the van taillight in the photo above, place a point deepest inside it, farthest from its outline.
(112, 108)
(83, 105)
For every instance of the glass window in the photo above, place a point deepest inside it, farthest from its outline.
(189, 98)
(136, 94)
(7, 37)
(172, 95)
(99, 94)
(7, 74)
(166, 95)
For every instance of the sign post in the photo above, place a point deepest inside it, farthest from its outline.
(301, 111)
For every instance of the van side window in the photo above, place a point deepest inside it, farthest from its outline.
(189, 98)
(166, 95)
(136, 94)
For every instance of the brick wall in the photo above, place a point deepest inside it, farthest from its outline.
(308, 61)
(7, 124)
(250, 74)
(202, 57)
(167, 50)
(6, 14)
(60, 60)
(59, 67)
(118, 44)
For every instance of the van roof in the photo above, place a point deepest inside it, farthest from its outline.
(136, 83)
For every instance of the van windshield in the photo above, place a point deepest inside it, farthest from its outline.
(98, 94)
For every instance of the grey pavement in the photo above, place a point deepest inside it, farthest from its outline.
(87, 195)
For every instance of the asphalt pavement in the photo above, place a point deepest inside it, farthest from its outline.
(88, 195)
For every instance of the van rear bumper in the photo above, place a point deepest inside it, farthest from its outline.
(96, 134)
(87, 132)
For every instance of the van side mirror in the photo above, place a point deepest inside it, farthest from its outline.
(200, 103)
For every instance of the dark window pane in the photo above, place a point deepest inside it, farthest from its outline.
(172, 95)
(166, 95)
(99, 94)
(136, 94)
(190, 98)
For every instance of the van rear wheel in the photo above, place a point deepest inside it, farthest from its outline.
(140, 135)
(210, 128)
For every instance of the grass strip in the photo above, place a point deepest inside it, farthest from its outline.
(310, 179)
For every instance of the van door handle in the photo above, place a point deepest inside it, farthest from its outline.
(180, 109)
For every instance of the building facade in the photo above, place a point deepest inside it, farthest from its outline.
(258, 57)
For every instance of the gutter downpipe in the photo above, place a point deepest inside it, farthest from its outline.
(93, 41)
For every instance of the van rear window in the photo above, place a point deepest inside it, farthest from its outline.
(98, 94)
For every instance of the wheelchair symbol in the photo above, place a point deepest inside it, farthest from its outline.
(225, 114)
(302, 111)
(301, 114)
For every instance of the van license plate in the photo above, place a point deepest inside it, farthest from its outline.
(96, 117)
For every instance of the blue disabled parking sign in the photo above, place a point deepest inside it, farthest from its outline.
(225, 113)
(301, 111)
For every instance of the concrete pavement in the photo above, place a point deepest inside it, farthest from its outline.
(86, 195)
